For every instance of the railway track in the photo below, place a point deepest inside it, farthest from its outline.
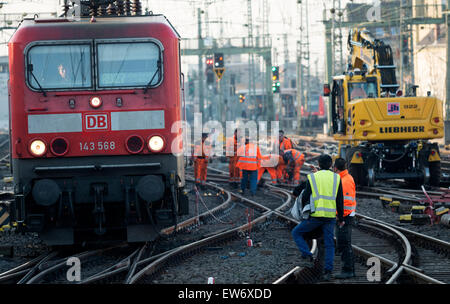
(416, 249)
(48, 270)
(405, 256)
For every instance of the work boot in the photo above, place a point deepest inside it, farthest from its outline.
(309, 261)
(345, 275)
(326, 276)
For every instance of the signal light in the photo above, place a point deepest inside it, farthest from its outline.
(276, 79)
(275, 73)
(326, 89)
(38, 147)
(276, 87)
(241, 98)
(218, 60)
(399, 93)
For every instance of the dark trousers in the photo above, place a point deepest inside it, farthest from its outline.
(311, 224)
(253, 176)
(344, 244)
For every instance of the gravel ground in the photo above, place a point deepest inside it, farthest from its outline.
(235, 263)
(373, 208)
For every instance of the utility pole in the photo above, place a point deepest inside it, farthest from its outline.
(299, 68)
(303, 61)
(286, 60)
(402, 46)
(201, 93)
(447, 93)
(329, 64)
(406, 45)
(266, 93)
(336, 36)
(251, 63)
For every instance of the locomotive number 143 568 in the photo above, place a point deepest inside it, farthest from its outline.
(97, 146)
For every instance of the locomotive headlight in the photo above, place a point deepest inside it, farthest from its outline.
(156, 143)
(95, 102)
(38, 147)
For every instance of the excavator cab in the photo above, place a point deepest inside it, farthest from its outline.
(349, 88)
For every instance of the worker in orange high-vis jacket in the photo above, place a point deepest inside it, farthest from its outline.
(285, 143)
(344, 233)
(269, 163)
(294, 160)
(249, 162)
(281, 169)
(232, 145)
(201, 155)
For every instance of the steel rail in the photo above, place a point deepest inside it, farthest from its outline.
(220, 237)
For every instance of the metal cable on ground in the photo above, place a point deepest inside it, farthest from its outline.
(209, 211)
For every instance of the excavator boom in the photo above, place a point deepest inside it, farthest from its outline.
(376, 55)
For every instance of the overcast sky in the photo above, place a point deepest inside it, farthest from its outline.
(225, 16)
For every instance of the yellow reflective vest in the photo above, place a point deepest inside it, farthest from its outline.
(324, 189)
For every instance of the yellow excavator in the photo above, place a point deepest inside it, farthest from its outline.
(382, 134)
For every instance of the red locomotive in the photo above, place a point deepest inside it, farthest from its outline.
(92, 103)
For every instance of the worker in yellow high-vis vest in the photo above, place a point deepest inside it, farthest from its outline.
(324, 195)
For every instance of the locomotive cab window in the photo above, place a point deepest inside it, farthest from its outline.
(129, 64)
(52, 66)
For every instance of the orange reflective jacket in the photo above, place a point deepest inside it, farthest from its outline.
(202, 151)
(299, 157)
(349, 191)
(249, 157)
(285, 144)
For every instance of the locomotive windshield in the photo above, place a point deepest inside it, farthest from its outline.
(128, 64)
(119, 64)
(59, 66)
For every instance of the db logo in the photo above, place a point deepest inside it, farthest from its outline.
(96, 121)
